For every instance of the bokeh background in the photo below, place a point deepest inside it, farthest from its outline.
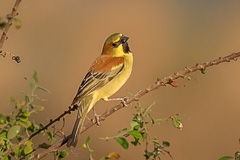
(61, 38)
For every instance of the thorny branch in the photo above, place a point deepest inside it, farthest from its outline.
(6, 29)
(160, 82)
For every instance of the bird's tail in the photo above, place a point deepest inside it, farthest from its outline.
(83, 109)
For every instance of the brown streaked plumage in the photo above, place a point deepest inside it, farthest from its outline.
(105, 63)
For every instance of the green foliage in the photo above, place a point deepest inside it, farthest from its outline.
(87, 146)
(139, 132)
(203, 70)
(18, 125)
(236, 156)
(16, 21)
(225, 158)
(123, 142)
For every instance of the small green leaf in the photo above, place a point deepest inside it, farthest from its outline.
(136, 142)
(11, 99)
(13, 131)
(51, 137)
(123, 142)
(33, 127)
(91, 150)
(152, 120)
(144, 136)
(135, 134)
(134, 125)
(25, 124)
(63, 154)
(19, 138)
(124, 129)
(3, 134)
(44, 89)
(39, 108)
(29, 83)
(84, 146)
(2, 142)
(87, 140)
(27, 114)
(203, 70)
(148, 155)
(3, 25)
(23, 118)
(28, 143)
(28, 149)
(17, 22)
(17, 149)
(225, 158)
(166, 143)
(35, 78)
(237, 155)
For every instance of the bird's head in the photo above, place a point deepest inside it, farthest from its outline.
(116, 45)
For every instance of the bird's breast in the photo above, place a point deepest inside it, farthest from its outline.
(118, 81)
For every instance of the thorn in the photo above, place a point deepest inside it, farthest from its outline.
(182, 76)
(188, 69)
(197, 65)
(163, 84)
(135, 99)
(147, 90)
(219, 58)
(228, 60)
(235, 59)
(108, 111)
(212, 63)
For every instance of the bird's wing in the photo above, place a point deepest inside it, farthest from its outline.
(102, 71)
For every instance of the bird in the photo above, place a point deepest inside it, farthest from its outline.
(107, 74)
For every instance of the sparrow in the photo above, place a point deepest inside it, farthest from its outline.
(105, 77)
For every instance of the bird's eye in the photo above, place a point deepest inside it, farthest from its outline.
(114, 44)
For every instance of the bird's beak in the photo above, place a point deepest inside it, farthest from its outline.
(123, 39)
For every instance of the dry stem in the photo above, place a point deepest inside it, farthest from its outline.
(10, 20)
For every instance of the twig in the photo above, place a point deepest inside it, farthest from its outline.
(10, 20)
(160, 82)
(6, 29)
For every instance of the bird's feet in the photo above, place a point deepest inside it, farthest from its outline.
(122, 99)
(96, 116)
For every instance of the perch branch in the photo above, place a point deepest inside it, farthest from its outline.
(160, 82)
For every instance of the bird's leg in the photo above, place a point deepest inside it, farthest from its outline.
(96, 116)
(122, 99)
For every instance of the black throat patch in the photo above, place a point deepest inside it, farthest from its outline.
(126, 48)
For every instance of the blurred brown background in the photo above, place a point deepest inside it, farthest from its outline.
(61, 38)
